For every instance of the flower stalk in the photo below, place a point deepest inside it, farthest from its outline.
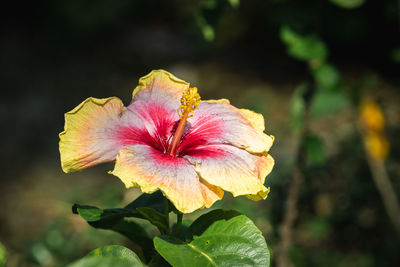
(166, 213)
(177, 230)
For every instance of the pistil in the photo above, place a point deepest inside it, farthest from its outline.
(189, 102)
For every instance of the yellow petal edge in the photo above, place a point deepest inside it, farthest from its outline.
(164, 77)
(73, 141)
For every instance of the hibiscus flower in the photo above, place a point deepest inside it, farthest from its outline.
(168, 139)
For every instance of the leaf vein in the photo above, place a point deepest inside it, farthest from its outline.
(203, 254)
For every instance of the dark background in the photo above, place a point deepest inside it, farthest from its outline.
(55, 54)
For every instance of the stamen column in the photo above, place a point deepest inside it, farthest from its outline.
(189, 102)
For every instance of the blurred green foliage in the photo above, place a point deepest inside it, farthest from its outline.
(303, 47)
(314, 150)
(328, 102)
(297, 108)
(3, 256)
(348, 3)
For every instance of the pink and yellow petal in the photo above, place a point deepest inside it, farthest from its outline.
(88, 137)
(230, 168)
(144, 166)
(266, 163)
(256, 119)
(155, 101)
(157, 122)
(218, 122)
(160, 82)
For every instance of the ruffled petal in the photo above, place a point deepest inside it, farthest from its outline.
(88, 136)
(160, 84)
(155, 101)
(268, 164)
(98, 128)
(144, 166)
(218, 122)
(232, 169)
(256, 119)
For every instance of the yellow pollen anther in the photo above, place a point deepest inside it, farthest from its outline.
(189, 102)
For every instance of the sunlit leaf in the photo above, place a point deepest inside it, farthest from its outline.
(206, 29)
(303, 47)
(234, 3)
(109, 256)
(348, 3)
(3, 256)
(231, 242)
(203, 222)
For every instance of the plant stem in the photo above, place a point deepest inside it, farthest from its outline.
(166, 213)
(291, 212)
(386, 190)
(290, 216)
(179, 217)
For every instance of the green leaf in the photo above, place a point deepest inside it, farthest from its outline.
(209, 4)
(147, 206)
(232, 242)
(115, 251)
(154, 217)
(109, 256)
(328, 102)
(135, 233)
(204, 221)
(105, 218)
(234, 3)
(120, 223)
(297, 108)
(314, 150)
(154, 201)
(3, 256)
(348, 3)
(206, 29)
(326, 76)
(303, 47)
(108, 218)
